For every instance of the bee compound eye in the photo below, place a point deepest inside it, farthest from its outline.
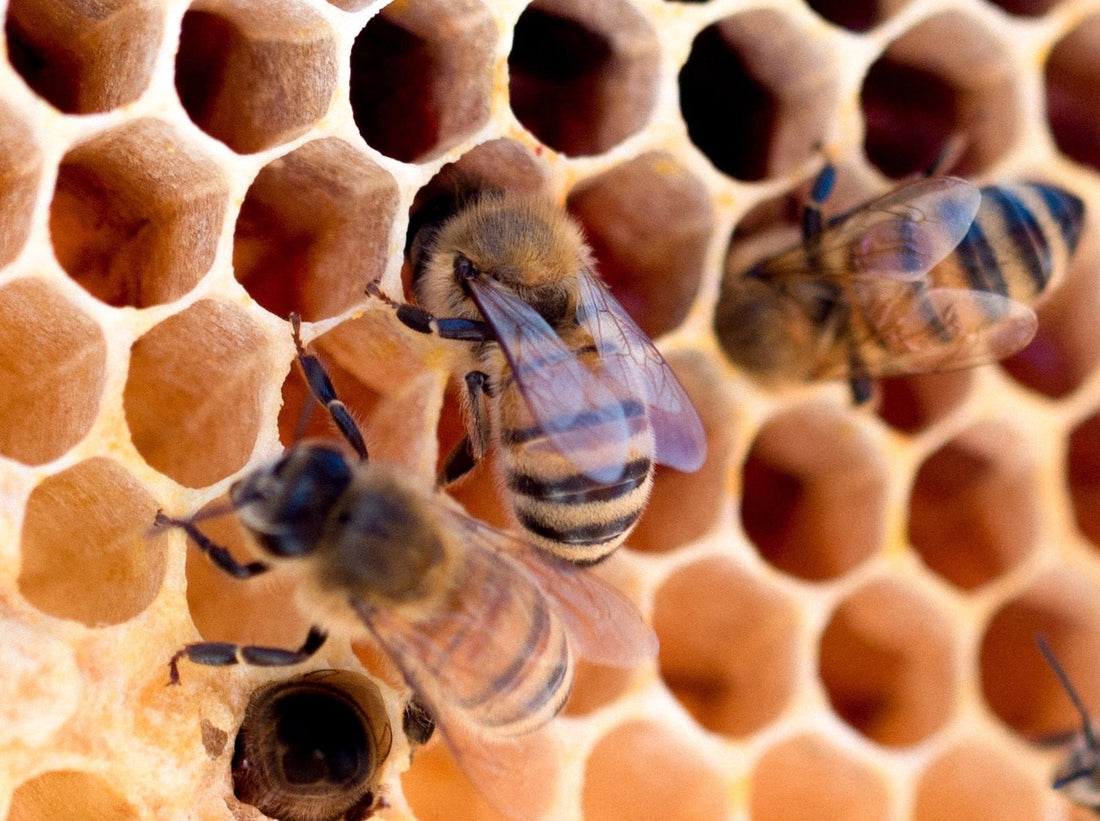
(310, 748)
(464, 269)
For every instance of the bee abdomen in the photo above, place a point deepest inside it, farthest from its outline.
(576, 518)
(1020, 241)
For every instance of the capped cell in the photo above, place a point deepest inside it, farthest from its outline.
(86, 549)
(648, 221)
(81, 57)
(422, 76)
(1071, 74)
(69, 794)
(756, 94)
(314, 229)
(20, 174)
(136, 214)
(979, 782)
(255, 75)
(194, 392)
(53, 361)
(920, 93)
(583, 76)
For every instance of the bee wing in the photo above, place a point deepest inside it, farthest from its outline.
(485, 666)
(912, 329)
(557, 387)
(902, 234)
(603, 624)
(632, 361)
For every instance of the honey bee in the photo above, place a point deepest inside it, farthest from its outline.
(935, 275)
(482, 626)
(579, 402)
(311, 748)
(1079, 775)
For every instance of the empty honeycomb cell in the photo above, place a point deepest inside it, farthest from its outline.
(887, 664)
(53, 362)
(194, 391)
(1018, 684)
(973, 512)
(919, 94)
(20, 168)
(69, 794)
(1066, 347)
(583, 76)
(1072, 107)
(728, 646)
(915, 403)
(87, 553)
(255, 75)
(84, 57)
(857, 16)
(643, 770)
(756, 94)
(807, 778)
(814, 493)
(1083, 474)
(421, 76)
(648, 222)
(686, 506)
(136, 214)
(978, 782)
(314, 229)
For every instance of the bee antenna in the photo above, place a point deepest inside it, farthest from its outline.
(1069, 778)
(1071, 691)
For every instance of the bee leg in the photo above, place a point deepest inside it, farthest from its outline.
(222, 654)
(468, 452)
(323, 391)
(421, 321)
(813, 222)
(458, 463)
(216, 553)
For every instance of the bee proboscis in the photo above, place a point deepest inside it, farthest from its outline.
(579, 402)
(482, 626)
(935, 275)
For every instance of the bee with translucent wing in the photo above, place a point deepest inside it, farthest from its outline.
(1079, 776)
(935, 275)
(579, 402)
(483, 627)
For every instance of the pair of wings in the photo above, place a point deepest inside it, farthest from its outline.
(516, 774)
(883, 255)
(585, 411)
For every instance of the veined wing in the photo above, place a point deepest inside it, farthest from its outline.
(630, 359)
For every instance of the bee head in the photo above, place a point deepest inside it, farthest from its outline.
(761, 332)
(285, 503)
(526, 246)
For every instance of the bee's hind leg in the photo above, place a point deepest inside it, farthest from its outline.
(221, 654)
(473, 446)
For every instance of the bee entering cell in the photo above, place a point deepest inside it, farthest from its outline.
(311, 748)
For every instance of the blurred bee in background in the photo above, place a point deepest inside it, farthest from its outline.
(1079, 776)
(579, 401)
(935, 275)
(311, 748)
(482, 626)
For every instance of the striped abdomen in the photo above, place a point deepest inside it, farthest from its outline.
(1019, 244)
(504, 660)
(563, 509)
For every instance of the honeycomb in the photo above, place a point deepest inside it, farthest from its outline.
(846, 598)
